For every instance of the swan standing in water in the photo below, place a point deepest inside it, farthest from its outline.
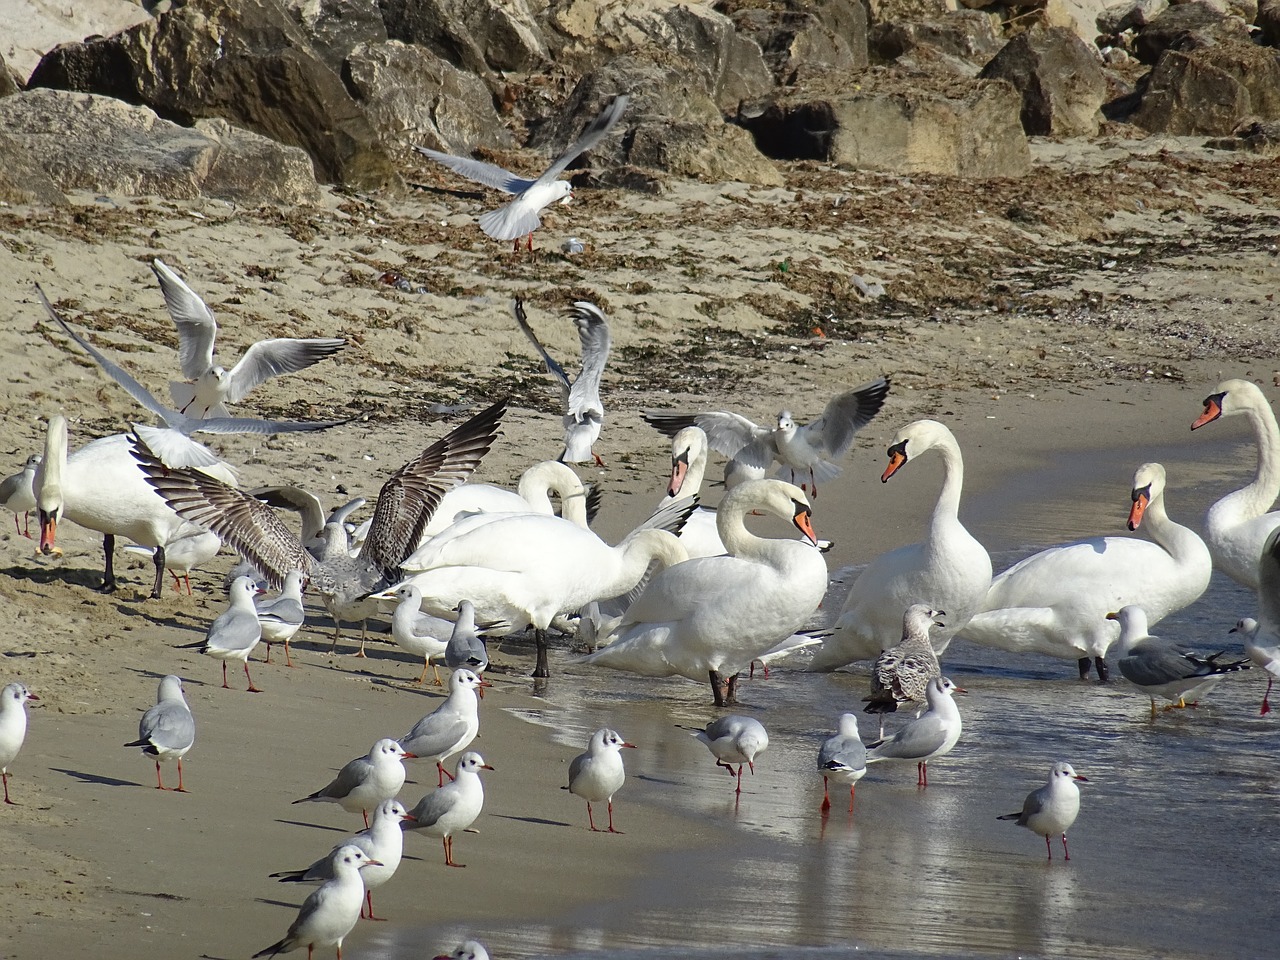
(1237, 525)
(1056, 602)
(948, 570)
(710, 617)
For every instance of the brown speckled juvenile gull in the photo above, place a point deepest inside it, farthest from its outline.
(901, 674)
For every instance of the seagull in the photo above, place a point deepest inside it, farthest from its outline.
(17, 493)
(366, 781)
(930, 735)
(420, 633)
(1053, 808)
(282, 616)
(902, 673)
(345, 583)
(810, 448)
(734, 739)
(451, 726)
(330, 913)
(167, 730)
(453, 807)
(172, 443)
(235, 632)
(466, 647)
(13, 727)
(584, 414)
(1161, 668)
(519, 216)
(383, 842)
(842, 758)
(598, 774)
(470, 950)
(1263, 654)
(1262, 636)
(209, 387)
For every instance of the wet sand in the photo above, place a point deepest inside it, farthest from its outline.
(1053, 414)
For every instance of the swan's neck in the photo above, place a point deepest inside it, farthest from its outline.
(737, 539)
(48, 485)
(1173, 536)
(947, 508)
(1257, 498)
(694, 475)
(646, 546)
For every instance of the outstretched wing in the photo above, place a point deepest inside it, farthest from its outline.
(596, 131)
(489, 174)
(197, 330)
(728, 433)
(270, 358)
(553, 368)
(833, 432)
(593, 335)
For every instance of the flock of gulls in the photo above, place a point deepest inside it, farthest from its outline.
(691, 592)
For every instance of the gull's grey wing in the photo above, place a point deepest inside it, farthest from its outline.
(1151, 662)
(428, 810)
(844, 416)
(197, 330)
(234, 630)
(270, 358)
(722, 727)
(349, 777)
(489, 174)
(245, 523)
(434, 734)
(285, 610)
(593, 335)
(410, 496)
(1269, 581)
(1035, 802)
(596, 131)
(728, 433)
(553, 368)
(917, 739)
(168, 725)
(578, 765)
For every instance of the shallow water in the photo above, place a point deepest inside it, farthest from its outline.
(1171, 856)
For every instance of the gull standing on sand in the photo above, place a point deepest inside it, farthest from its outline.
(419, 633)
(930, 735)
(345, 583)
(519, 216)
(13, 727)
(451, 726)
(453, 807)
(1053, 808)
(470, 950)
(902, 673)
(18, 495)
(734, 739)
(383, 842)
(584, 411)
(1162, 668)
(598, 774)
(167, 730)
(802, 449)
(466, 649)
(235, 632)
(283, 615)
(209, 388)
(366, 781)
(330, 913)
(842, 758)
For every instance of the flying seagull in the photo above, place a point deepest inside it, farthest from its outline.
(519, 216)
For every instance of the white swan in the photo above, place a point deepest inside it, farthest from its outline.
(101, 487)
(710, 617)
(525, 569)
(948, 570)
(1055, 602)
(1237, 525)
(689, 449)
(533, 495)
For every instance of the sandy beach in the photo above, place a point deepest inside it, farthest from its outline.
(1066, 326)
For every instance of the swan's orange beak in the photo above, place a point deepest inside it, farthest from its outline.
(897, 457)
(48, 531)
(1212, 411)
(679, 468)
(1140, 500)
(804, 523)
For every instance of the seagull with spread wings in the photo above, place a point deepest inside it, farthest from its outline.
(519, 216)
(810, 448)
(210, 387)
(584, 412)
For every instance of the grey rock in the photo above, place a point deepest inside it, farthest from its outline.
(22, 179)
(88, 142)
(480, 36)
(336, 27)
(8, 83)
(1255, 136)
(1184, 27)
(959, 42)
(1059, 78)
(1268, 21)
(1129, 15)
(804, 39)
(888, 11)
(1210, 90)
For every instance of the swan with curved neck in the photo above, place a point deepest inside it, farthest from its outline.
(526, 569)
(101, 488)
(709, 617)
(1055, 602)
(947, 570)
(532, 495)
(689, 450)
(1236, 527)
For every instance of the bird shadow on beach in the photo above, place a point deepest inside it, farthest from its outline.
(313, 826)
(194, 625)
(56, 573)
(447, 191)
(537, 820)
(95, 778)
(292, 905)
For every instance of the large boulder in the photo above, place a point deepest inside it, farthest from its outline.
(1078, 16)
(1129, 15)
(887, 11)
(336, 27)
(88, 142)
(805, 39)
(592, 32)
(22, 179)
(8, 83)
(247, 62)
(1185, 26)
(481, 36)
(969, 128)
(1059, 78)
(31, 28)
(1210, 90)
(960, 42)
(1268, 21)
(413, 97)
